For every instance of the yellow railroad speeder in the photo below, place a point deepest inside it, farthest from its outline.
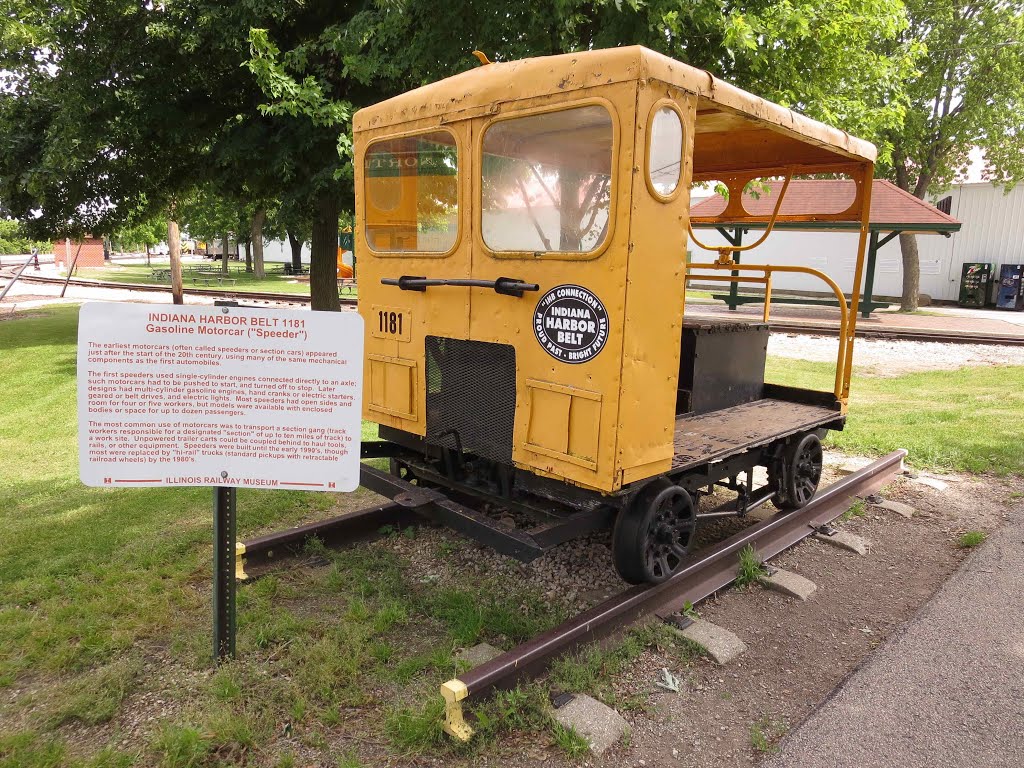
(522, 244)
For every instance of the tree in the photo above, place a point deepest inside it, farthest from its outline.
(145, 233)
(105, 117)
(293, 222)
(834, 60)
(968, 92)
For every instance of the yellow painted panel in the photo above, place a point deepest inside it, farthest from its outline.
(584, 428)
(438, 312)
(655, 297)
(376, 383)
(393, 387)
(549, 419)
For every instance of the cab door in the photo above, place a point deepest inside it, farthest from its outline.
(412, 187)
(551, 198)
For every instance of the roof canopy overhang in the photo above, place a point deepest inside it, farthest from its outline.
(892, 209)
(735, 132)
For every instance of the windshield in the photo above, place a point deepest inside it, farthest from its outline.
(547, 181)
(412, 193)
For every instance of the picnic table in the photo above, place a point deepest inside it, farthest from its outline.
(160, 274)
(219, 280)
(346, 285)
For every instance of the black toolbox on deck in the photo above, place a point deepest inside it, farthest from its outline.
(721, 364)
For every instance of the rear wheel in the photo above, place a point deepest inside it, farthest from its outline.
(796, 473)
(653, 535)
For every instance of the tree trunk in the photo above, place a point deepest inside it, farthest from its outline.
(323, 260)
(257, 243)
(174, 251)
(225, 245)
(248, 255)
(149, 262)
(296, 245)
(911, 272)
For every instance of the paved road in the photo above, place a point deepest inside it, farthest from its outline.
(948, 691)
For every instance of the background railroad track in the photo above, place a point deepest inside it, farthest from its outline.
(219, 293)
(805, 329)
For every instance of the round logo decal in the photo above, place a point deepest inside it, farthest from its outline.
(571, 324)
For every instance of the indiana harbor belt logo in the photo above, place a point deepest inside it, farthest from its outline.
(571, 324)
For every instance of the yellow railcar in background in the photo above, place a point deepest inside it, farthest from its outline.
(522, 233)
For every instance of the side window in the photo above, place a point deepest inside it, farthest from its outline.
(412, 193)
(547, 181)
(665, 153)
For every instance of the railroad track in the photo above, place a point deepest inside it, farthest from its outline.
(899, 334)
(711, 571)
(222, 293)
(803, 329)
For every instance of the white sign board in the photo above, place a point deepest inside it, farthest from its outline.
(234, 396)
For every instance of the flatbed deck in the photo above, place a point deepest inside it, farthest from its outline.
(707, 437)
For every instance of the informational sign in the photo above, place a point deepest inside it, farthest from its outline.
(219, 396)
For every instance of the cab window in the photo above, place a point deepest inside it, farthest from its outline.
(412, 193)
(546, 181)
(664, 162)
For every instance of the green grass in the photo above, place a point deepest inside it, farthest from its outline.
(105, 593)
(966, 419)
(751, 568)
(857, 509)
(571, 742)
(971, 539)
(765, 733)
(274, 282)
(105, 590)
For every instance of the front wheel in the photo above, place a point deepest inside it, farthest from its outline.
(796, 473)
(653, 535)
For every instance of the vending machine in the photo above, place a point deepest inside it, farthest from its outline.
(974, 284)
(1010, 292)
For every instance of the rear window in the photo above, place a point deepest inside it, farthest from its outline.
(547, 181)
(412, 193)
(665, 158)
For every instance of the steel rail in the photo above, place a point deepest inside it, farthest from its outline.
(363, 524)
(804, 329)
(710, 572)
(900, 334)
(215, 293)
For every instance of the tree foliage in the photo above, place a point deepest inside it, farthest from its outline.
(14, 241)
(967, 92)
(113, 110)
(105, 115)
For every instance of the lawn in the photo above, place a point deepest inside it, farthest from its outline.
(274, 282)
(105, 609)
(966, 419)
(105, 593)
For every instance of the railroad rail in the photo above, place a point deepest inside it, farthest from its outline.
(900, 334)
(803, 329)
(283, 298)
(713, 570)
(710, 572)
(264, 551)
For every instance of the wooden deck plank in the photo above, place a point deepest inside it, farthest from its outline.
(715, 435)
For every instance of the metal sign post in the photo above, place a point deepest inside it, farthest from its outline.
(224, 525)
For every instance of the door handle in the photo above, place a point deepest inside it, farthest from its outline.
(506, 286)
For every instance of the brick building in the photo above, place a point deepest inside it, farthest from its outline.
(91, 254)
